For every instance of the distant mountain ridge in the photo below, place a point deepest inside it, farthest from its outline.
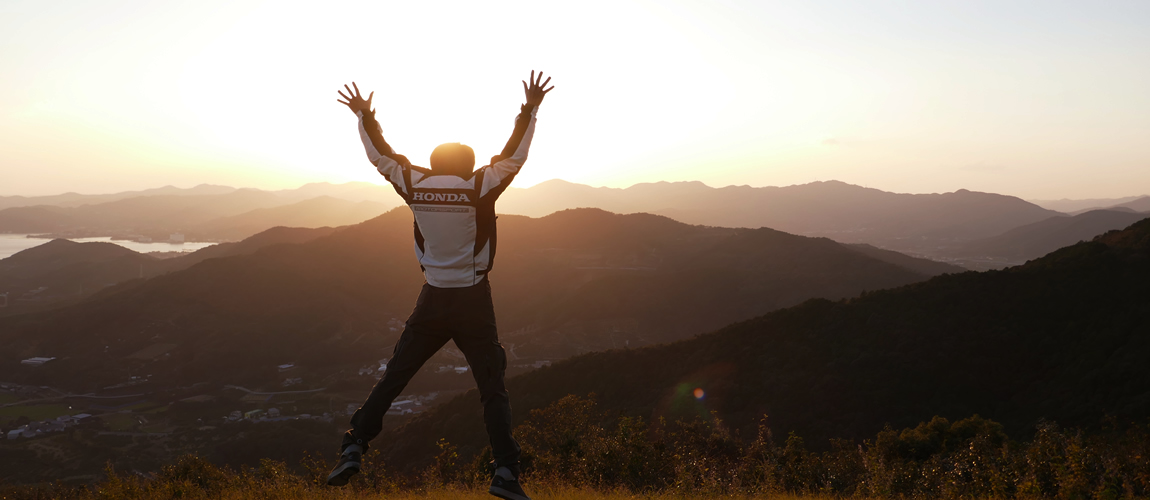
(843, 212)
(1032, 241)
(1072, 206)
(77, 199)
(1140, 205)
(230, 216)
(573, 282)
(914, 223)
(1075, 207)
(351, 191)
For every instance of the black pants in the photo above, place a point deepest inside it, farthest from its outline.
(467, 316)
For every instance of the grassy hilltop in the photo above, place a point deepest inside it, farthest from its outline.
(573, 450)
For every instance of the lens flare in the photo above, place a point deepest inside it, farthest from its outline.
(698, 393)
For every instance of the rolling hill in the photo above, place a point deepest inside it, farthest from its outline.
(1040, 238)
(1140, 205)
(273, 236)
(36, 219)
(321, 211)
(1064, 337)
(62, 270)
(570, 283)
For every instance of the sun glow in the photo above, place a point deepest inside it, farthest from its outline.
(133, 94)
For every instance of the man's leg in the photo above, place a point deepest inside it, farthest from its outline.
(476, 335)
(423, 336)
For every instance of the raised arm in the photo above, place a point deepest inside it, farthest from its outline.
(506, 165)
(394, 167)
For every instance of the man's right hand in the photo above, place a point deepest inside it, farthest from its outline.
(354, 100)
(535, 92)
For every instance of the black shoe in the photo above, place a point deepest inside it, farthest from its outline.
(505, 485)
(349, 464)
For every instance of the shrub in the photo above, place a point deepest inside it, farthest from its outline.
(573, 445)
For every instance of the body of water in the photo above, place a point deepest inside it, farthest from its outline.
(12, 243)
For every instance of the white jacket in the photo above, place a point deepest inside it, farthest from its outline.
(454, 217)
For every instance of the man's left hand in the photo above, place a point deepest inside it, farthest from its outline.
(354, 100)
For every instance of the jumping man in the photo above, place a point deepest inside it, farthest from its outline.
(454, 208)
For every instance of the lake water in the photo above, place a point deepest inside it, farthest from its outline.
(12, 243)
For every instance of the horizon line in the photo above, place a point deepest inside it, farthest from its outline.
(557, 179)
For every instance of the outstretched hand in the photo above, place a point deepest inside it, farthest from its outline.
(535, 92)
(354, 100)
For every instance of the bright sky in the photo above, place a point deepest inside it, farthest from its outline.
(1041, 99)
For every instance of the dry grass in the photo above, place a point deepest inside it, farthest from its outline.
(570, 494)
(309, 492)
(479, 494)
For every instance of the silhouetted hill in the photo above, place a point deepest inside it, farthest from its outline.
(573, 282)
(1040, 238)
(62, 270)
(380, 192)
(273, 236)
(35, 219)
(583, 280)
(315, 212)
(852, 214)
(921, 266)
(1140, 205)
(1063, 337)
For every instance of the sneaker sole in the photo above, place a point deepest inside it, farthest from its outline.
(340, 476)
(506, 495)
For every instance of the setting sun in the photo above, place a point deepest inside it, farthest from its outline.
(726, 93)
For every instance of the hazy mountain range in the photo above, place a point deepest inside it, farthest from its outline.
(976, 230)
(229, 216)
(1078, 206)
(351, 191)
(1040, 238)
(572, 282)
(837, 210)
